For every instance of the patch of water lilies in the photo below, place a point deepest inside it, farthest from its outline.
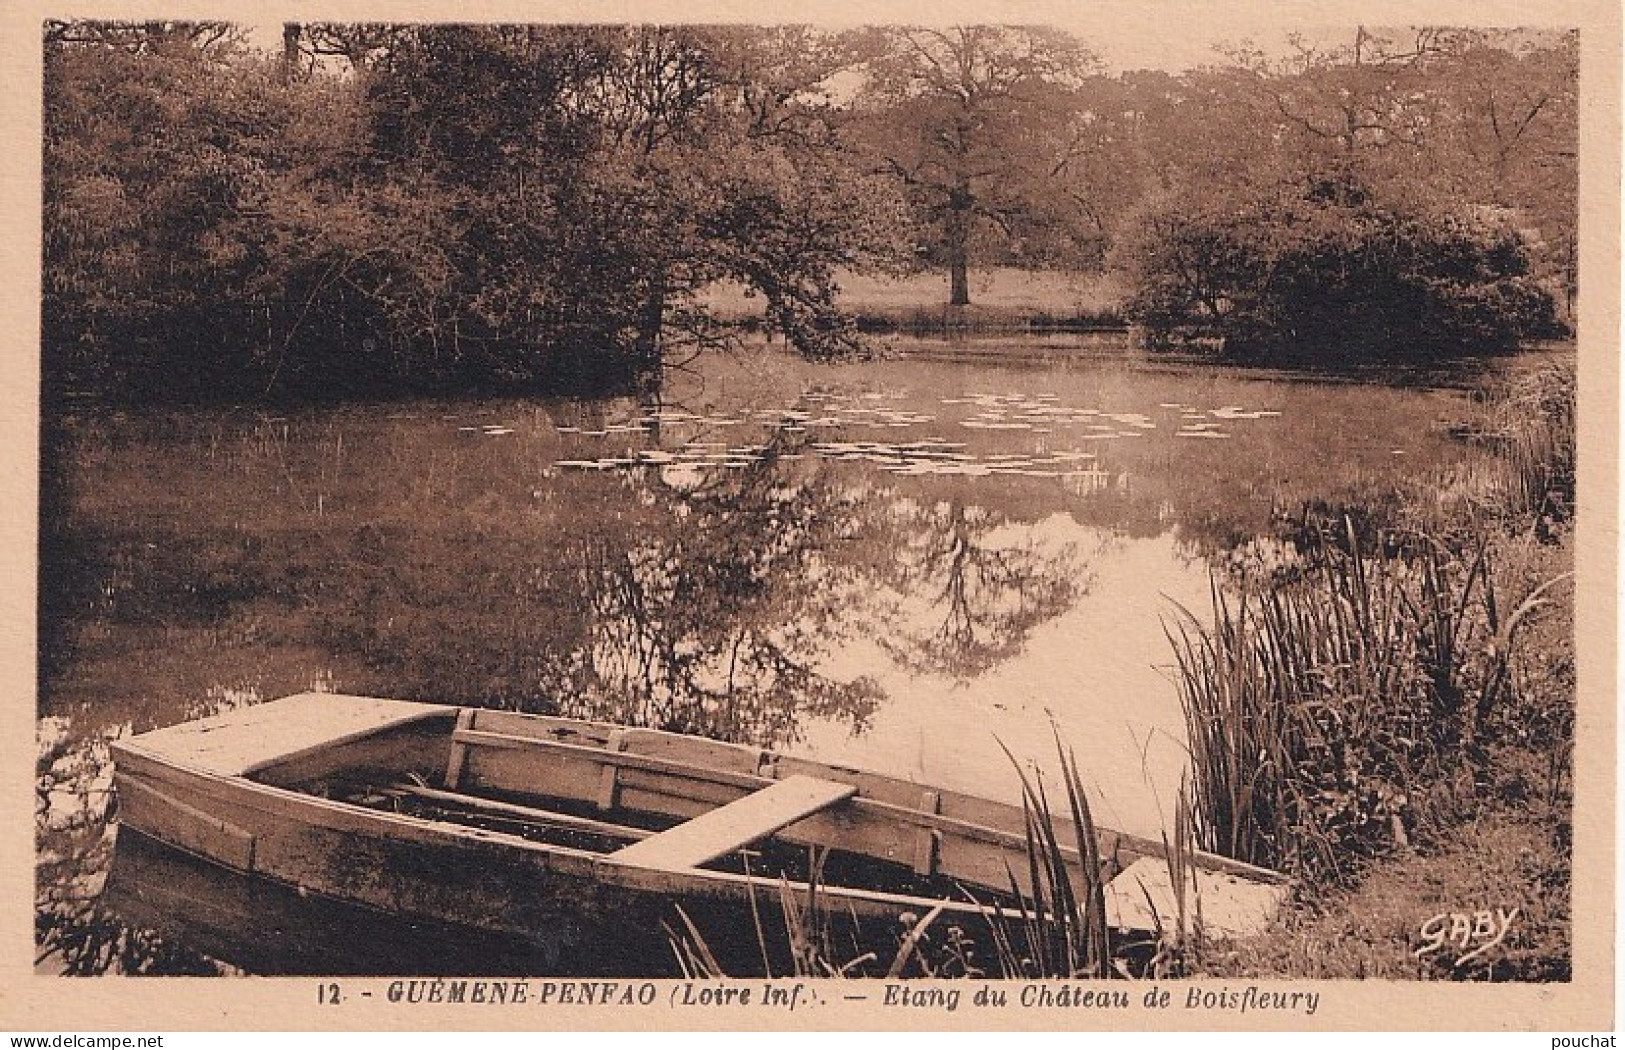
(933, 456)
(936, 456)
(1042, 413)
(1034, 413)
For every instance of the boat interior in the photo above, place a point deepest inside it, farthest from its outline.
(675, 803)
(664, 808)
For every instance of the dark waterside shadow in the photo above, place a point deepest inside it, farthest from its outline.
(1062, 348)
(1420, 372)
(158, 898)
(267, 928)
(581, 379)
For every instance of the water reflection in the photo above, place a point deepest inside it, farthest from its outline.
(979, 583)
(828, 561)
(709, 616)
(1095, 672)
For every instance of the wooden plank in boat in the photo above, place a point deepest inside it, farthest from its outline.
(609, 786)
(545, 817)
(415, 749)
(717, 773)
(696, 751)
(895, 791)
(980, 840)
(457, 757)
(239, 742)
(1003, 818)
(543, 751)
(706, 754)
(168, 818)
(977, 854)
(1142, 896)
(543, 727)
(567, 775)
(927, 841)
(723, 830)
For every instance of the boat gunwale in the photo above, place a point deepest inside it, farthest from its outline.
(918, 818)
(765, 761)
(634, 877)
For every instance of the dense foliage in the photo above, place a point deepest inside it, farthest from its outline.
(472, 205)
(387, 206)
(1329, 274)
(1410, 192)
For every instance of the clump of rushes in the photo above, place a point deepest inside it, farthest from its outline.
(1058, 928)
(808, 936)
(817, 942)
(1334, 717)
(1533, 422)
(1180, 951)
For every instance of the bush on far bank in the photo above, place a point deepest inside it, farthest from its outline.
(1327, 274)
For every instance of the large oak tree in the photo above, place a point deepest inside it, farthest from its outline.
(972, 120)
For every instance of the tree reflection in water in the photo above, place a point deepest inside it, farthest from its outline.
(974, 585)
(714, 624)
(705, 598)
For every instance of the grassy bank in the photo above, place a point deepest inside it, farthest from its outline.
(1384, 708)
(1002, 298)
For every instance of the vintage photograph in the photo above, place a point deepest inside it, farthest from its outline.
(967, 501)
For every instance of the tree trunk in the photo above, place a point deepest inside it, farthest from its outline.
(958, 278)
(650, 322)
(290, 51)
(955, 236)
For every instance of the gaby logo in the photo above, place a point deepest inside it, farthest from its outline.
(1464, 930)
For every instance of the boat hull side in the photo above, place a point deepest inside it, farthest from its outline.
(408, 866)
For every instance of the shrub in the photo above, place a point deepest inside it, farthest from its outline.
(1329, 275)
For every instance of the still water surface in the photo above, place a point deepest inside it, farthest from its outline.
(904, 565)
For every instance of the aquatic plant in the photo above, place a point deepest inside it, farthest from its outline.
(1533, 422)
(1052, 924)
(1056, 927)
(811, 940)
(1331, 718)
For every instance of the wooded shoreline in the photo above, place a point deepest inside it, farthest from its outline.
(439, 208)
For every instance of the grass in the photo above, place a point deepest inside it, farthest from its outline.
(1388, 715)
(1503, 859)
(1001, 298)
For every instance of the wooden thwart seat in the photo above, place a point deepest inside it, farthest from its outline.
(720, 831)
(248, 740)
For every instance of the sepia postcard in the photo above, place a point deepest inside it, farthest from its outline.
(1000, 516)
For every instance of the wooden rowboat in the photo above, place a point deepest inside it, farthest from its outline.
(515, 824)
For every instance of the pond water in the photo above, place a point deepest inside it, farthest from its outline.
(908, 565)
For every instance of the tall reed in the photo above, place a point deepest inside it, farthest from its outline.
(1327, 716)
(1534, 421)
(1053, 923)
(1057, 927)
